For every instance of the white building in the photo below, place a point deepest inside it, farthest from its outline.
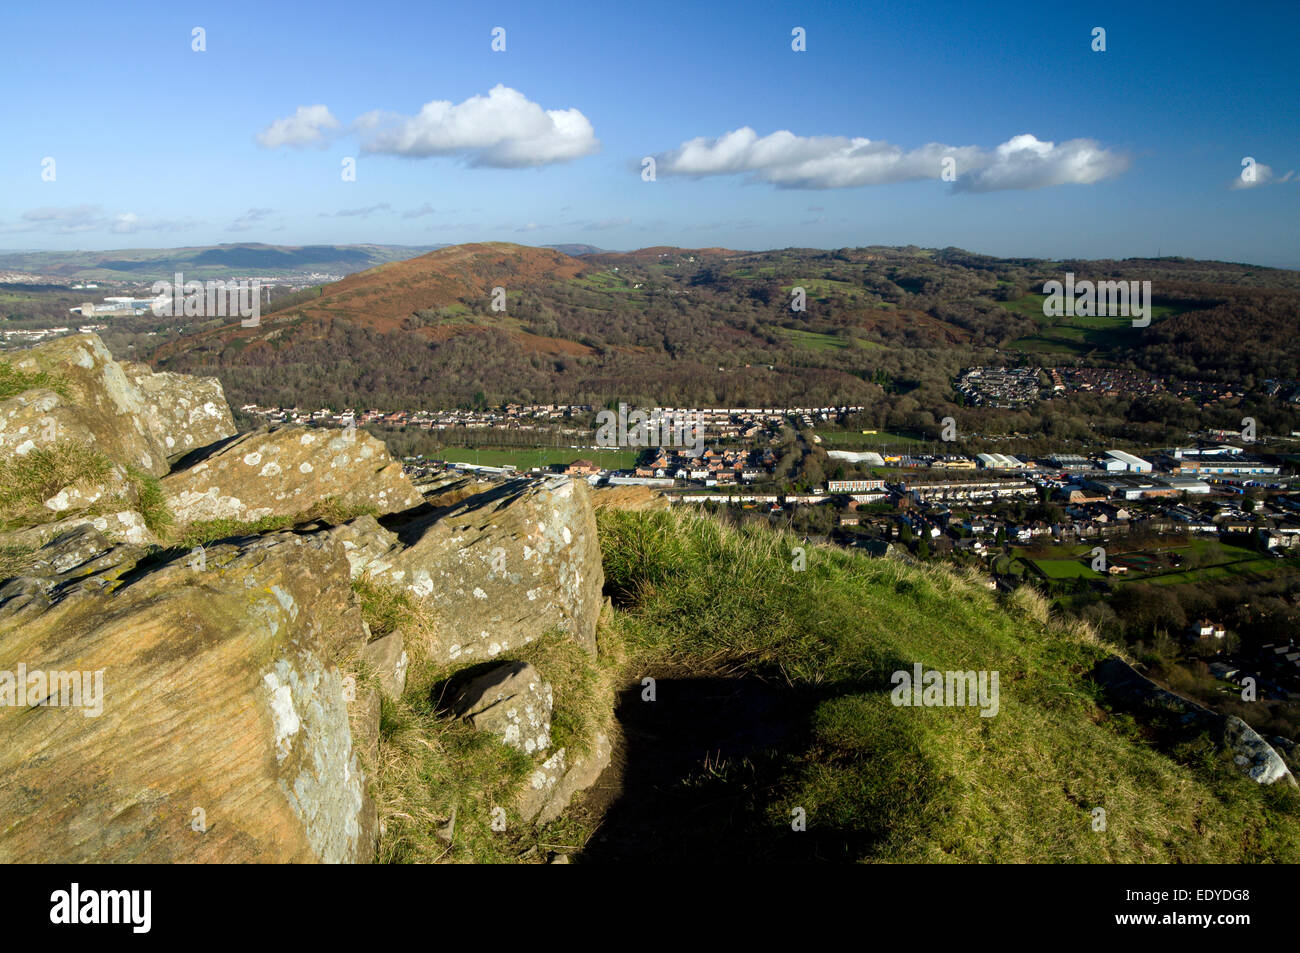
(1128, 462)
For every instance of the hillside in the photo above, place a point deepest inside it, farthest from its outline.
(715, 326)
(774, 693)
(337, 665)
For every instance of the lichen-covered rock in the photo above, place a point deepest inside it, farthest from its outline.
(68, 550)
(496, 570)
(1253, 755)
(634, 497)
(512, 702)
(541, 785)
(186, 412)
(209, 722)
(280, 471)
(584, 771)
(387, 657)
(126, 411)
(123, 526)
(364, 542)
(102, 405)
(552, 784)
(366, 711)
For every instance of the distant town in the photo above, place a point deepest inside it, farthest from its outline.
(1197, 488)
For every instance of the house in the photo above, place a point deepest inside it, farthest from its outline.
(582, 468)
(1205, 629)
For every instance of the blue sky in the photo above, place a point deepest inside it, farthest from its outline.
(1132, 152)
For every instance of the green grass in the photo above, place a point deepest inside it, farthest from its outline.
(605, 281)
(851, 440)
(825, 288)
(1066, 569)
(899, 784)
(13, 381)
(1078, 334)
(1253, 564)
(1229, 560)
(26, 482)
(151, 501)
(815, 341)
(202, 532)
(13, 560)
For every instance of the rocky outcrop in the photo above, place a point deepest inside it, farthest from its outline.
(123, 526)
(188, 413)
(497, 569)
(1253, 755)
(387, 658)
(281, 471)
(512, 702)
(1135, 692)
(202, 717)
(628, 498)
(551, 786)
(224, 703)
(129, 414)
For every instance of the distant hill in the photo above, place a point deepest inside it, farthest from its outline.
(206, 261)
(879, 326)
(576, 250)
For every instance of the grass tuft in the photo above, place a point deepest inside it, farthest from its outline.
(14, 382)
(26, 482)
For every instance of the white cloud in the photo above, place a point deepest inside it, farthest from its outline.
(63, 219)
(306, 127)
(602, 224)
(72, 219)
(503, 129)
(365, 212)
(1264, 175)
(248, 219)
(835, 162)
(126, 223)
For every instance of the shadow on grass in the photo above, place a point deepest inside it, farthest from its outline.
(705, 772)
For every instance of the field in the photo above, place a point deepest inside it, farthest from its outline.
(1200, 560)
(1075, 335)
(604, 281)
(850, 440)
(1066, 569)
(537, 457)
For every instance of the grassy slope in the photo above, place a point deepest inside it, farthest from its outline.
(930, 784)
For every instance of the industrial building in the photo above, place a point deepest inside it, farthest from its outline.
(998, 461)
(1126, 462)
